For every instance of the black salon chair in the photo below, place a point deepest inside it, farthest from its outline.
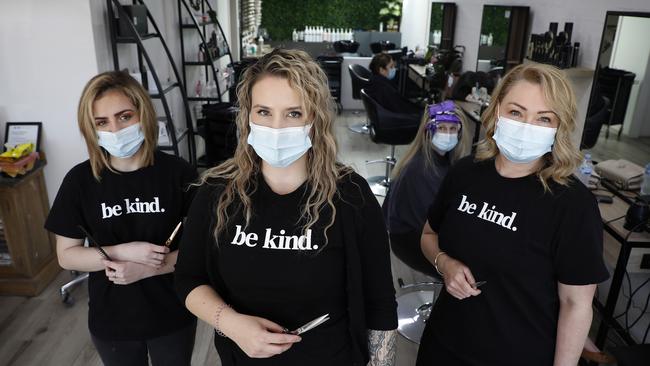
(360, 79)
(381, 46)
(390, 128)
(346, 46)
(594, 122)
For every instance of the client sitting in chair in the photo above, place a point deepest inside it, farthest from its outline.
(382, 90)
(442, 139)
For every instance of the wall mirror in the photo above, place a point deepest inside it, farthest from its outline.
(616, 126)
(442, 22)
(503, 37)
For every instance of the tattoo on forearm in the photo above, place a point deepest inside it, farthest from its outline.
(382, 345)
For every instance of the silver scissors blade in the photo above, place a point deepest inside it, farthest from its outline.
(171, 237)
(478, 284)
(312, 324)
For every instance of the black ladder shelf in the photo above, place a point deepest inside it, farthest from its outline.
(163, 90)
(210, 62)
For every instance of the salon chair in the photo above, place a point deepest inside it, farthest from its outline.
(65, 290)
(381, 46)
(414, 308)
(346, 46)
(390, 128)
(360, 79)
(594, 123)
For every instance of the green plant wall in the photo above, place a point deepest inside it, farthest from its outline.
(280, 17)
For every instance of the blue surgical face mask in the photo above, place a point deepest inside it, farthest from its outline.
(523, 142)
(391, 73)
(444, 142)
(279, 147)
(123, 143)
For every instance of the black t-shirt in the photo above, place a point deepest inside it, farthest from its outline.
(143, 205)
(522, 241)
(272, 270)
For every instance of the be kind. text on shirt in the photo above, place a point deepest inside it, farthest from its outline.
(131, 207)
(282, 242)
(488, 213)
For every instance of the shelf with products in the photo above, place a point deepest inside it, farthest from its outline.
(135, 20)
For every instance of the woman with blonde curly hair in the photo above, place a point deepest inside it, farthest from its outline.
(516, 238)
(282, 234)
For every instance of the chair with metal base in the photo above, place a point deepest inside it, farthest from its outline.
(414, 308)
(360, 79)
(390, 128)
(77, 279)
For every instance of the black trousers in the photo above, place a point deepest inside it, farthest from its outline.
(169, 350)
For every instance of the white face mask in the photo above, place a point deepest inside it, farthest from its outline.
(444, 142)
(123, 143)
(523, 142)
(279, 147)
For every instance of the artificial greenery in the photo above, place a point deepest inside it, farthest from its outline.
(496, 21)
(281, 17)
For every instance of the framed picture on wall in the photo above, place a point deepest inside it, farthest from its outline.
(17, 133)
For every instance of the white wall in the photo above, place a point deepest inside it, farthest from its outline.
(587, 18)
(47, 54)
(414, 23)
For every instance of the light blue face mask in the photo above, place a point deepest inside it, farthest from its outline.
(391, 73)
(444, 142)
(123, 143)
(523, 142)
(279, 147)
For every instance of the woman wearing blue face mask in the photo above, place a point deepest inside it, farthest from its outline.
(129, 197)
(382, 87)
(282, 234)
(442, 139)
(517, 239)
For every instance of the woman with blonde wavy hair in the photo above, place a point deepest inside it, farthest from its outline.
(282, 234)
(517, 239)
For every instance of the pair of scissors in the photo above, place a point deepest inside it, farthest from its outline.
(171, 237)
(478, 284)
(92, 241)
(311, 325)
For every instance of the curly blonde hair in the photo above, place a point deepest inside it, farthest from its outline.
(561, 162)
(323, 172)
(422, 144)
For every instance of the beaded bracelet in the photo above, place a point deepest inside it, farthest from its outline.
(435, 262)
(217, 318)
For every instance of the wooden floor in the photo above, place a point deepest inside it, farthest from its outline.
(42, 331)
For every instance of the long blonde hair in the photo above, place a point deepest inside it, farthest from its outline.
(323, 172)
(561, 162)
(422, 144)
(96, 88)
